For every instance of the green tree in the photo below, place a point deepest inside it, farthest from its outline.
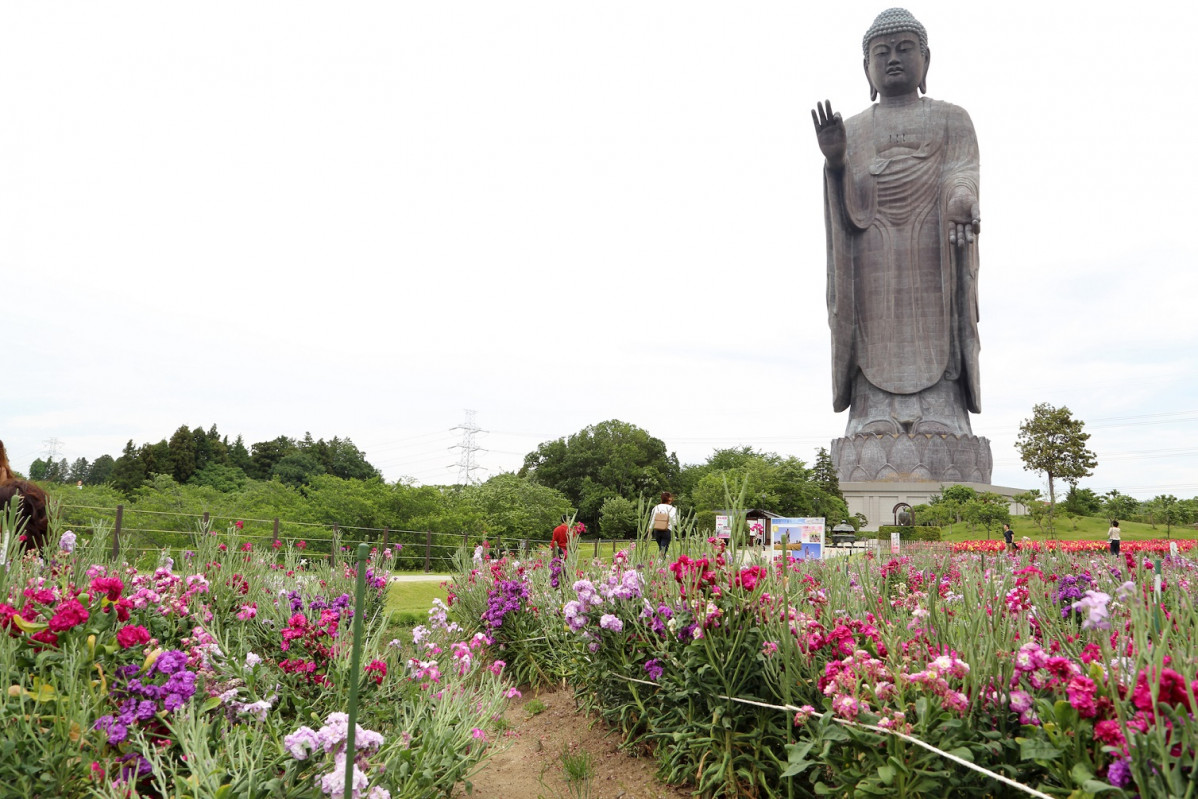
(1119, 506)
(265, 454)
(1037, 508)
(609, 459)
(1171, 511)
(239, 456)
(221, 476)
(78, 471)
(989, 510)
(1082, 501)
(100, 471)
(618, 518)
(1053, 442)
(296, 468)
(347, 461)
(128, 472)
(514, 508)
(823, 473)
(783, 485)
(39, 469)
(182, 448)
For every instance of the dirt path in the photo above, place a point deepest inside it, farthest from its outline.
(531, 767)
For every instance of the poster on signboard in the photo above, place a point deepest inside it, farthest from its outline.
(799, 538)
(894, 543)
(722, 528)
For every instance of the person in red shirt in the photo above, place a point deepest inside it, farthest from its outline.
(561, 538)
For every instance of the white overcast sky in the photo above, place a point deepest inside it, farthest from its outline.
(360, 219)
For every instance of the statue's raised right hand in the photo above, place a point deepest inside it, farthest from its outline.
(829, 129)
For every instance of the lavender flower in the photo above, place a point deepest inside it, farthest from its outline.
(1094, 605)
(610, 622)
(654, 669)
(67, 542)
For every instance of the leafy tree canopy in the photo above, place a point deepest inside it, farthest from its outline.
(1054, 443)
(609, 459)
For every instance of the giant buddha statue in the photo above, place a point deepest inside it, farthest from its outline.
(901, 207)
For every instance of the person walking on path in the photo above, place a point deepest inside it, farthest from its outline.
(561, 538)
(1112, 535)
(1008, 536)
(664, 518)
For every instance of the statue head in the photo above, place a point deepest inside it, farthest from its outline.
(892, 64)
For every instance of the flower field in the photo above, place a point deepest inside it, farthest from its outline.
(227, 673)
(1058, 671)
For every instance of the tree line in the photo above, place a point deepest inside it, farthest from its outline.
(602, 476)
(198, 457)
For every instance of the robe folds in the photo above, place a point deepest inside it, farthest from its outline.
(902, 300)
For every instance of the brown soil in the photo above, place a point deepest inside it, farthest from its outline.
(530, 767)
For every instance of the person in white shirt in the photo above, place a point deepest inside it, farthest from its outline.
(662, 521)
(1112, 535)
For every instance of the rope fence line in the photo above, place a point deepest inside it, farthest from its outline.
(417, 545)
(880, 730)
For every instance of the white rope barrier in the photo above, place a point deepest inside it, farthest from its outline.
(877, 729)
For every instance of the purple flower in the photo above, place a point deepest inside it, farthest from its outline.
(610, 622)
(170, 662)
(503, 598)
(117, 731)
(1119, 774)
(654, 669)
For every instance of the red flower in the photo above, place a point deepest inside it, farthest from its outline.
(301, 544)
(132, 636)
(110, 586)
(380, 668)
(45, 637)
(1171, 690)
(276, 544)
(247, 546)
(239, 524)
(7, 611)
(68, 614)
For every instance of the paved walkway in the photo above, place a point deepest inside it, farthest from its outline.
(419, 577)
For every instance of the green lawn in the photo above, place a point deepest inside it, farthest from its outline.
(414, 599)
(1083, 528)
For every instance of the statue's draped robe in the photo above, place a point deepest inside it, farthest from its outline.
(902, 301)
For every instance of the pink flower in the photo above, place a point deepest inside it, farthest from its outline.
(132, 636)
(68, 614)
(1108, 732)
(109, 586)
(301, 544)
(239, 524)
(248, 612)
(479, 734)
(276, 544)
(247, 546)
(1080, 692)
(496, 668)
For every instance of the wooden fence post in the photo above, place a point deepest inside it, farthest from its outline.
(276, 538)
(116, 532)
(428, 551)
(386, 532)
(205, 520)
(596, 547)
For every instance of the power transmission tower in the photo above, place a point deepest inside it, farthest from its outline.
(52, 445)
(467, 465)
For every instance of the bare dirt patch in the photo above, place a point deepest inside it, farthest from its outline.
(531, 767)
